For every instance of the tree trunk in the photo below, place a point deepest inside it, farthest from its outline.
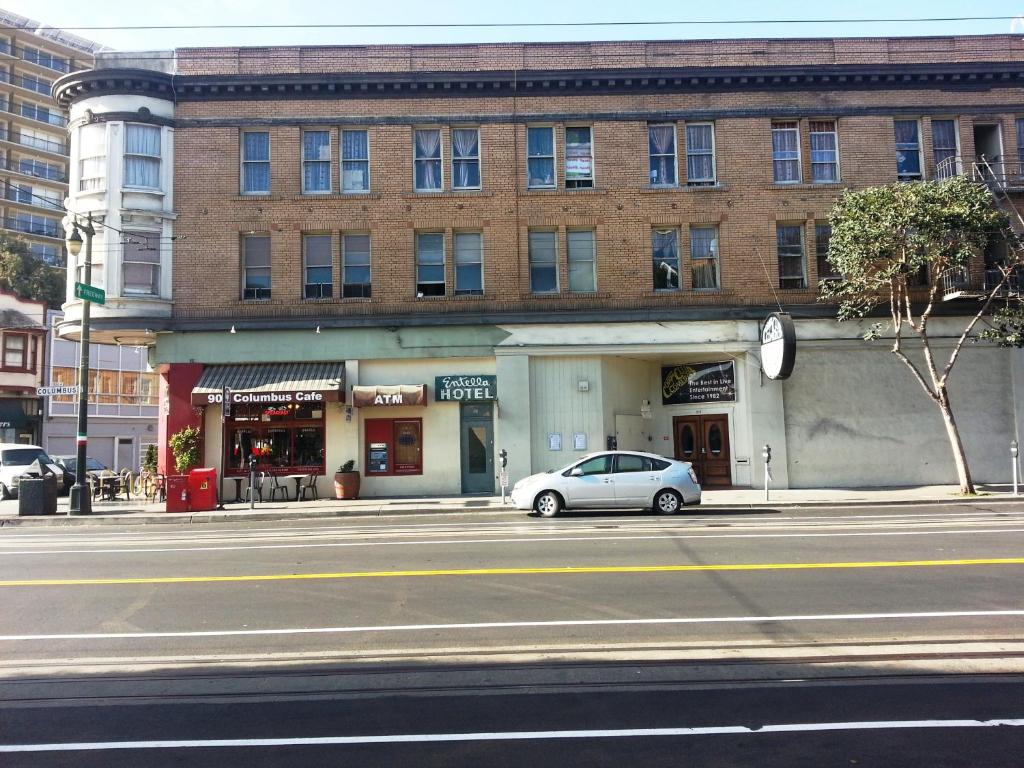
(959, 457)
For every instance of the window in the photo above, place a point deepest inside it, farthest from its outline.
(599, 465)
(355, 161)
(661, 148)
(581, 247)
(33, 167)
(665, 250)
(355, 258)
(1020, 145)
(824, 151)
(704, 257)
(822, 235)
(579, 158)
(465, 158)
(469, 267)
(790, 243)
(316, 251)
(316, 162)
(627, 462)
(429, 264)
(427, 161)
(142, 156)
(92, 163)
(285, 439)
(543, 255)
(540, 158)
(44, 59)
(700, 154)
(256, 163)
(908, 150)
(14, 350)
(786, 152)
(256, 267)
(944, 148)
(50, 254)
(394, 447)
(140, 263)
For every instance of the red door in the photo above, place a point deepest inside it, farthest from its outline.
(704, 441)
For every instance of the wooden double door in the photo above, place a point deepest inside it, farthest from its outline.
(703, 440)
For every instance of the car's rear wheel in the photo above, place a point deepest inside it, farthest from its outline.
(548, 504)
(667, 502)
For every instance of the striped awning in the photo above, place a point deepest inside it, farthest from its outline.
(271, 383)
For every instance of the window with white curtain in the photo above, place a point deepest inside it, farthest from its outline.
(543, 256)
(256, 267)
(316, 252)
(792, 265)
(355, 260)
(465, 158)
(581, 245)
(256, 163)
(700, 154)
(704, 258)
(355, 161)
(944, 147)
(786, 152)
(661, 150)
(469, 263)
(92, 154)
(427, 160)
(665, 256)
(140, 263)
(908, 150)
(429, 264)
(824, 151)
(316, 162)
(540, 158)
(142, 156)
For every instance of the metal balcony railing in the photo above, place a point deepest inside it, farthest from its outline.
(28, 83)
(1004, 175)
(26, 197)
(44, 228)
(961, 283)
(37, 57)
(46, 145)
(35, 169)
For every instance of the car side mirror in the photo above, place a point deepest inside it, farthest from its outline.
(576, 472)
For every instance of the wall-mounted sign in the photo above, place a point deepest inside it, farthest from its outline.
(464, 389)
(698, 383)
(778, 345)
(554, 441)
(56, 390)
(240, 398)
(399, 394)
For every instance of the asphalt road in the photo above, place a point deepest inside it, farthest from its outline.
(870, 636)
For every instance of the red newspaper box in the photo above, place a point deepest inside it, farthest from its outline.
(202, 489)
(177, 493)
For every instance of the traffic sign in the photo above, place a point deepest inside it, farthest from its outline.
(47, 391)
(90, 293)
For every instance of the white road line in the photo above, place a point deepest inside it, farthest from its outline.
(511, 625)
(420, 738)
(530, 540)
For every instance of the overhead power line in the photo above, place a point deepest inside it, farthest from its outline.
(525, 24)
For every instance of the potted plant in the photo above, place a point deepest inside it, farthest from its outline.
(185, 448)
(346, 481)
(149, 461)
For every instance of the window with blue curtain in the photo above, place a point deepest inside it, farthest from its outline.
(256, 163)
(142, 156)
(316, 162)
(540, 158)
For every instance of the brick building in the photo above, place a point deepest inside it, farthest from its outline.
(415, 256)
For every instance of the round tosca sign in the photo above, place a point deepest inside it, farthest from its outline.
(778, 345)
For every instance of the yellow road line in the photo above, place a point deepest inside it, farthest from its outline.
(517, 572)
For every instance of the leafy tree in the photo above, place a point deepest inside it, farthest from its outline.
(884, 238)
(28, 276)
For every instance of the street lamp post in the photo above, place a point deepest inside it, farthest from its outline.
(81, 499)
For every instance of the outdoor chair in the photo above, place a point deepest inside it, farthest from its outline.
(276, 487)
(123, 485)
(260, 476)
(309, 485)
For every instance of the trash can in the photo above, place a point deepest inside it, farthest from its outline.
(202, 489)
(37, 495)
(177, 493)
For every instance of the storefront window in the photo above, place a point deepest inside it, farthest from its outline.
(285, 438)
(394, 446)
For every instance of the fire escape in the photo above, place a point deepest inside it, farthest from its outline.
(1001, 179)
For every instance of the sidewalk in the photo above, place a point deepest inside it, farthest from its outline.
(140, 512)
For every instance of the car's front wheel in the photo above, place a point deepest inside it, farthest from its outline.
(667, 502)
(548, 504)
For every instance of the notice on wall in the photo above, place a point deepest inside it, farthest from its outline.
(698, 383)
(554, 441)
(378, 457)
(579, 441)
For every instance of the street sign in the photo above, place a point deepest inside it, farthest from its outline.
(90, 293)
(48, 391)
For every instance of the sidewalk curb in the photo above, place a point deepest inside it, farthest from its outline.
(140, 517)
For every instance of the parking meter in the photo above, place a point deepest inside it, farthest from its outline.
(1013, 458)
(766, 453)
(252, 481)
(503, 458)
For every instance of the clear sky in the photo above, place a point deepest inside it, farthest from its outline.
(114, 13)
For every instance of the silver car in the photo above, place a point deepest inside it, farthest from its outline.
(611, 480)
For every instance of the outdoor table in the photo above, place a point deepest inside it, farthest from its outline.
(298, 482)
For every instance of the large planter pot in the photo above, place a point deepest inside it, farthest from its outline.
(346, 485)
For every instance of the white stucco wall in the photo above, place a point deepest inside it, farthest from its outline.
(558, 406)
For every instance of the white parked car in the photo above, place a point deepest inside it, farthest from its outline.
(15, 459)
(611, 480)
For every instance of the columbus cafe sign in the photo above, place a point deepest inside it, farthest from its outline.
(778, 345)
(299, 397)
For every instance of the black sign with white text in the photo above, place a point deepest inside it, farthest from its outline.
(698, 383)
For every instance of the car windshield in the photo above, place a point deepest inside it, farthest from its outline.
(91, 464)
(22, 457)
